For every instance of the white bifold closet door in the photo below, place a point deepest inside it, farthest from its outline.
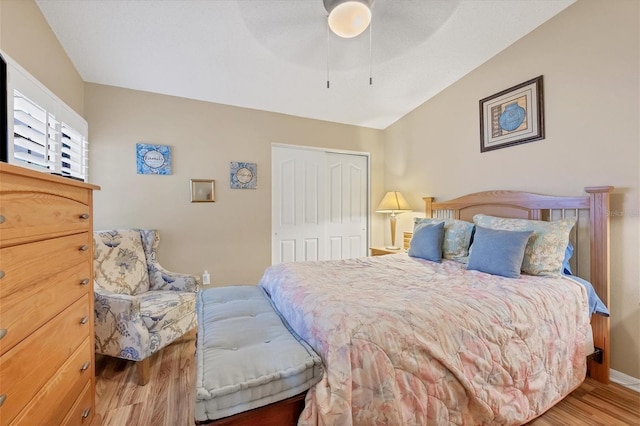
(319, 204)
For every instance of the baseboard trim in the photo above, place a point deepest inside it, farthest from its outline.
(625, 380)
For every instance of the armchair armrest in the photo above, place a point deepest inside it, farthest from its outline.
(118, 304)
(160, 278)
(119, 328)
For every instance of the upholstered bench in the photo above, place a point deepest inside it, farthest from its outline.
(247, 356)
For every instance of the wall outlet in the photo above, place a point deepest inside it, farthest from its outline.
(206, 278)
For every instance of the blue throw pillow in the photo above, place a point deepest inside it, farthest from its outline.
(426, 242)
(498, 252)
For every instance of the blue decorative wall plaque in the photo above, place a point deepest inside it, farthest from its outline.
(153, 159)
(244, 175)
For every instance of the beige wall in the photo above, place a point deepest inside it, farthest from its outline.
(589, 56)
(231, 238)
(27, 38)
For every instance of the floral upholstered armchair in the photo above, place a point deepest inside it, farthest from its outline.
(139, 306)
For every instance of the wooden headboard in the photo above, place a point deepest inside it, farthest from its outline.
(592, 214)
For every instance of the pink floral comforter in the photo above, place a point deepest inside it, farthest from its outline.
(411, 342)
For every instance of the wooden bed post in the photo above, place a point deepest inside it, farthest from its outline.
(428, 202)
(599, 253)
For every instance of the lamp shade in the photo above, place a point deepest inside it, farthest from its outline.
(348, 18)
(393, 202)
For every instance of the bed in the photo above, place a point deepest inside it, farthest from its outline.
(406, 340)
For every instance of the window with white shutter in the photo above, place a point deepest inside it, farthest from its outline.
(45, 133)
(74, 145)
(34, 133)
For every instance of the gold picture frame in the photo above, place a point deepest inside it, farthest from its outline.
(203, 190)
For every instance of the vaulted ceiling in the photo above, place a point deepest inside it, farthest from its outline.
(277, 55)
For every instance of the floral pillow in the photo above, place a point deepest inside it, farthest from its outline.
(545, 250)
(119, 261)
(457, 236)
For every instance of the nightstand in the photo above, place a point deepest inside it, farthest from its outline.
(381, 251)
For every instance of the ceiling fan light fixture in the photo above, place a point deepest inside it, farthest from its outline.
(348, 18)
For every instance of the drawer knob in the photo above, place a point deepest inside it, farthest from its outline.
(84, 320)
(3, 397)
(85, 366)
(2, 218)
(86, 413)
(84, 247)
(3, 332)
(84, 216)
(84, 281)
(2, 274)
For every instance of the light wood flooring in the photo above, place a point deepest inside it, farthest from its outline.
(168, 397)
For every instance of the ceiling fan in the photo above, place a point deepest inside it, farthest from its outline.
(348, 18)
(301, 31)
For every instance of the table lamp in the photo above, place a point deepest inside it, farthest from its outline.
(393, 202)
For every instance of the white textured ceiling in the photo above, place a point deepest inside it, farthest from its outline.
(272, 54)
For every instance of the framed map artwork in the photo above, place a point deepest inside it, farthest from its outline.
(513, 116)
(244, 175)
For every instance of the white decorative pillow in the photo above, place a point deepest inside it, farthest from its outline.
(457, 236)
(120, 264)
(545, 250)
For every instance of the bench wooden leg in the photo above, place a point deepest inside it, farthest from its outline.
(144, 371)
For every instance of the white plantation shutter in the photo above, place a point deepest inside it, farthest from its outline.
(72, 149)
(34, 133)
(47, 134)
(74, 145)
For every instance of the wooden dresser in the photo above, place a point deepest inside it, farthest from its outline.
(46, 299)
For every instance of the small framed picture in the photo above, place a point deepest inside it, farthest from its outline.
(203, 190)
(513, 116)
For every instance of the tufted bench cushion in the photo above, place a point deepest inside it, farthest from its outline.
(246, 355)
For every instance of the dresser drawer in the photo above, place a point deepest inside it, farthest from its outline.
(39, 280)
(59, 395)
(26, 368)
(18, 179)
(33, 216)
(82, 411)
